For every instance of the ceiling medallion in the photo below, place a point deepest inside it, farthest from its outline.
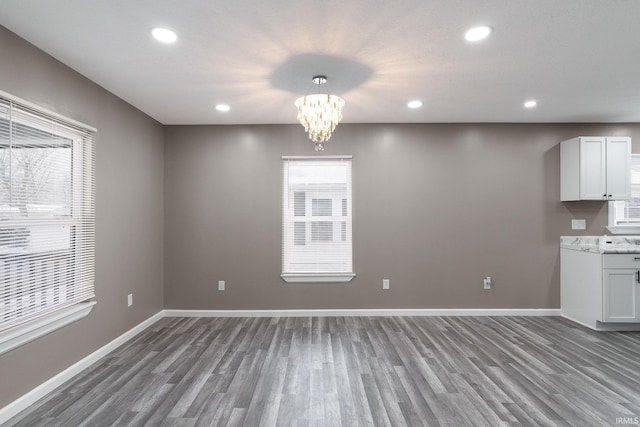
(319, 114)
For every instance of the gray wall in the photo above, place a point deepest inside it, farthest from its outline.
(129, 240)
(436, 208)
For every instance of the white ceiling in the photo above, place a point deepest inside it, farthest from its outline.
(580, 59)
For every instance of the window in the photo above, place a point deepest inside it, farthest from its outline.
(316, 237)
(46, 222)
(624, 215)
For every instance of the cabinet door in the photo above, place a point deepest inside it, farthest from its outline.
(618, 168)
(620, 298)
(593, 168)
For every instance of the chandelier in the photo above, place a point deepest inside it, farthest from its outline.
(319, 114)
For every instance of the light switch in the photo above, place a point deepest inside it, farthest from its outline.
(578, 224)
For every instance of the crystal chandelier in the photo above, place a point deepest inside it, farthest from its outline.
(319, 114)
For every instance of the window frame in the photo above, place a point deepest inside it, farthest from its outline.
(291, 217)
(70, 303)
(614, 226)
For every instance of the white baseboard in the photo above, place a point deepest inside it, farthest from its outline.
(576, 321)
(617, 327)
(605, 327)
(23, 402)
(365, 312)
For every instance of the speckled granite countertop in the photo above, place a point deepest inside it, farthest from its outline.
(602, 244)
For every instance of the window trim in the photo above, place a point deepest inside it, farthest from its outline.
(51, 114)
(317, 277)
(619, 229)
(614, 228)
(27, 331)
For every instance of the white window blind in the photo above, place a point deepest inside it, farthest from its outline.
(47, 215)
(626, 213)
(317, 213)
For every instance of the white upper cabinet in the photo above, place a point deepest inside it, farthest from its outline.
(618, 168)
(595, 168)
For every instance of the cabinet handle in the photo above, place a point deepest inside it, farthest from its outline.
(635, 258)
(638, 276)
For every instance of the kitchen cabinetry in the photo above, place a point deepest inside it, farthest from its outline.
(621, 288)
(595, 168)
(600, 290)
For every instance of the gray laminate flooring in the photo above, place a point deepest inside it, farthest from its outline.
(351, 371)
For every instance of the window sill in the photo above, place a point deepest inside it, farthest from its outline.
(623, 229)
(22, 334)
(317, 277)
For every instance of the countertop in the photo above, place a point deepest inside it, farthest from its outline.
(602, 244)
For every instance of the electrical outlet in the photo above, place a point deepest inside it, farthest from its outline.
(385, 283)
(221, 285)
(129, 300)
(487, 282)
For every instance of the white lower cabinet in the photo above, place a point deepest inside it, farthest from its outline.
(601, 291)
(621, 294)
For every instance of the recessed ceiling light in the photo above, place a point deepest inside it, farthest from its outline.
(478, 33)
(223, 107)
(414, 104)
(164, 35)
(530, 104)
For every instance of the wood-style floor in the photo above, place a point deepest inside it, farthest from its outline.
(351, 371)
